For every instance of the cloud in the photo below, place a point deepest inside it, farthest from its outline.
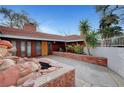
(48, 27)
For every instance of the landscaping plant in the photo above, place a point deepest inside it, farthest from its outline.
(78, 49)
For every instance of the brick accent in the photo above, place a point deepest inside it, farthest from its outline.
(66, 80)
(86, 58)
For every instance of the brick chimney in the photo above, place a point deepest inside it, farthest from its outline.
(29, 27)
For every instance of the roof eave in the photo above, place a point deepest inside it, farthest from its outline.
(33, 38)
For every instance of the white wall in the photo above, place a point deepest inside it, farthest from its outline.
(115, 57)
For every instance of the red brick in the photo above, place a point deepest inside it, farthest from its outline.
(66, 80)
(86, 58)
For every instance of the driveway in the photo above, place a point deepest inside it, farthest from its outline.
(91, 75)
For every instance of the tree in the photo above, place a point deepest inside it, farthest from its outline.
(14, 19)
(88, 36)
(109, 23)
(109, 26)
(9, 15)
(102, 9)
(91, 39)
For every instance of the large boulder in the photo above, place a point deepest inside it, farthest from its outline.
(1, 61)
(3, 52)
(6, 64)
(5, 44)
(30, 82)
(9, 76)
(34, 66)
(23, 79)
(24, 70)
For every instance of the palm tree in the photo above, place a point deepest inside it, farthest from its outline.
(84, 30)
(111, 9)
(102, 9)
(109, 26)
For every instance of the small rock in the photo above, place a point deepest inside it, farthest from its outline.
(44, 60)
(52, 69)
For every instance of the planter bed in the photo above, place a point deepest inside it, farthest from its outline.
(86, 58)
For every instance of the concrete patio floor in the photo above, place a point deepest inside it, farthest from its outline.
(91, 75)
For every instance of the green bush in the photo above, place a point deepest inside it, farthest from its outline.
(78, 49)
(75, 49)
(70, 48)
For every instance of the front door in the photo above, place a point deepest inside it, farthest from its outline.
(44, 48)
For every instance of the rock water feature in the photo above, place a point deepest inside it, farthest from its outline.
(17, 71)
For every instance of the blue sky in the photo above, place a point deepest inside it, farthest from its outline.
(60, 19)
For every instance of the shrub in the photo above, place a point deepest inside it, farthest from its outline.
(78, 49)
(70, 48)
(75, 49)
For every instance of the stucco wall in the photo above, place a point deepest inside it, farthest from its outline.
(115, 57)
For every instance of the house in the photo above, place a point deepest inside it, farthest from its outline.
(30, 43)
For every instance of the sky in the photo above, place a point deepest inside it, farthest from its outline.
(60, 19)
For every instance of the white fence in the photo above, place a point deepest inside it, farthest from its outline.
(113, 42)
(115, 57)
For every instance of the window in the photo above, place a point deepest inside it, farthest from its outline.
(14, 46)
(28, 48)
(23, 49)
(49, 48)
(38, 48)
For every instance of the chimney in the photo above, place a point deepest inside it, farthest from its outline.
(29, 27)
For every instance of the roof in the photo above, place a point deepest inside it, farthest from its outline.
(19, 33)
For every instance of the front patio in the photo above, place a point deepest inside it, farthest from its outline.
(91, 75)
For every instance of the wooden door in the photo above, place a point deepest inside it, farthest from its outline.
(44, 48)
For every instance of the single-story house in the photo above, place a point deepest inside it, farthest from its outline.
(30, 43)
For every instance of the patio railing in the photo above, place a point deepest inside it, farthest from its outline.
(113, 42)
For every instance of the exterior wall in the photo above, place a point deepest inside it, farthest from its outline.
(44, 48)
(90, 59)
(114, 55)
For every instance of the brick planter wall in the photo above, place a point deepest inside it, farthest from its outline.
(65, 80)
(86, 58)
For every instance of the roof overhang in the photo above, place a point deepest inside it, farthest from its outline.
(33, 38)
(74, 40)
